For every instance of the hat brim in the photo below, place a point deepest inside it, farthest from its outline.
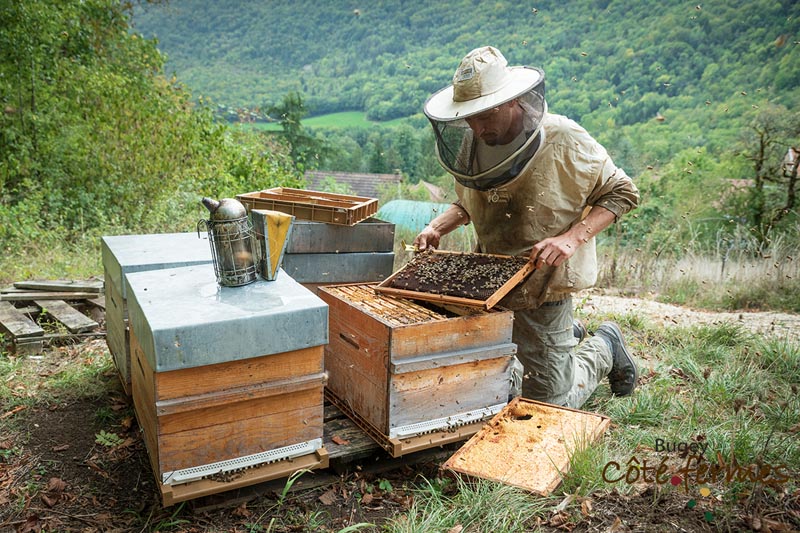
(440, 105)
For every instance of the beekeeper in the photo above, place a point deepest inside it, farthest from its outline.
(533, 183)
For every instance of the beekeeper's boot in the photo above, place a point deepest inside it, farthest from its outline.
(624, 372)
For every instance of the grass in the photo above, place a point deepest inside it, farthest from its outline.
(54, 377)
(473, 506)
(715, 279)
(714, 385)
(718, 385)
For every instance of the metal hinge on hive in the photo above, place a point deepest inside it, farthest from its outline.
(445, 423)
(195, 473)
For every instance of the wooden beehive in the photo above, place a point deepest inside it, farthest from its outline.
(124, 254)
(217, 378)
(469, 279)
(396, 363)
(312, 205)
(212, 413)
(370, 235)
(528, 445)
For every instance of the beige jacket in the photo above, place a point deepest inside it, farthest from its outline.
(569, 173)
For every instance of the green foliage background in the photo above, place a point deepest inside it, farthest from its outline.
(94, 139)
(672, 88)
(111, 112)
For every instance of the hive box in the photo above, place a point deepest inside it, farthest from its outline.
(319, 253)
(404, 369)
(125, 254)
(224, 373)
(371, 235)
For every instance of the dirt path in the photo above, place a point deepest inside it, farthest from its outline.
(779, 325)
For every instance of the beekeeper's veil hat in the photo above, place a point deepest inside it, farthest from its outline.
(482, 82)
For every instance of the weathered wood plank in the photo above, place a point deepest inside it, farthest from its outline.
(28, 346)
(238, 437)
(440, 360)
(99, 302)
(73, 320)
(42, 295)
(355, 443)
(16, 324)
(232, 395)
(61, 285)
(431, 394)
(362, 393)
(473, 331)
(221, 376)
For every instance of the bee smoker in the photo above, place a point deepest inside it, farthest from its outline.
(231, 237)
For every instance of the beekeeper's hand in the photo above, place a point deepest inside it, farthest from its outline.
(443, 224)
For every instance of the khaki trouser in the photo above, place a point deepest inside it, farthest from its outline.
(557, 369)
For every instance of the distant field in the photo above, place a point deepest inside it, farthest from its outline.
(346, 119)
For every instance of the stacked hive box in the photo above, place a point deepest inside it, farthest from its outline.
(413, 374)
(319, 253)
(333, 239)
(225, 378)
(125, 254)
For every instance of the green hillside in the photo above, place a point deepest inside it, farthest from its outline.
(613, 62)
(104, 131)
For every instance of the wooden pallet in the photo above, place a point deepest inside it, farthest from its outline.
(400, 447)
(26, 304)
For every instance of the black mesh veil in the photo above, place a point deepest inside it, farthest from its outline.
(475, 165)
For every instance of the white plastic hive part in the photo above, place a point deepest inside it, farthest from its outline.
(187, 475)
(448, 422)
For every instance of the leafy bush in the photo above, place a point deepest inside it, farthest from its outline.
(94, 139)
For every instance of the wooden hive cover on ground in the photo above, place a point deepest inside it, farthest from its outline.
(528, 445)
(470, 279)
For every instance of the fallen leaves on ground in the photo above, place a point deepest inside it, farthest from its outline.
(559, 519)
(242, 511)
(53, 492)
(328, 497)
